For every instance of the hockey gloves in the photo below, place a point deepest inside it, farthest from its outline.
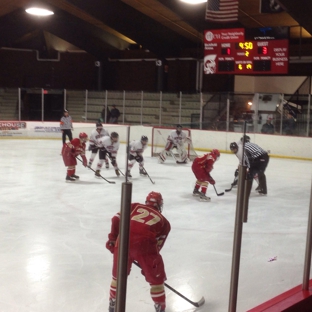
(110, 245)
(211, 180)
(84, 160)
(138, 158)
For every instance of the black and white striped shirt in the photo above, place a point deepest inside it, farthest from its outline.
(66, 123)
(252, 152)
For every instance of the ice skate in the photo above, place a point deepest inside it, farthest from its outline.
(262, 192)
(97, 173)
(107, 165)
(129, 174)
(203, 197)
(158, 308)
(75, 176)
(111, 307)
(70, 179)
(117, 172)
(196, 192)
(143, 172)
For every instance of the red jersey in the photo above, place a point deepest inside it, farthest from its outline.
(77, 147)
(146, 224)
(204, 162)
(71, 150)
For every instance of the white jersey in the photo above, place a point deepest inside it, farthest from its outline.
(239, 153)
(106, 142)
(137, 148)
(177, 139)
(97, 135)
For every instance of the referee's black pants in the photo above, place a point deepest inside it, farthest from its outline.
(258, 166)
(67, 132)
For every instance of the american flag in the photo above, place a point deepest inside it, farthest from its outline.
(222, 10)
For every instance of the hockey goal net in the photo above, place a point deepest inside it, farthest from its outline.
(159, 140)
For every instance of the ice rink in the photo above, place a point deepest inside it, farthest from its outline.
(53, 233)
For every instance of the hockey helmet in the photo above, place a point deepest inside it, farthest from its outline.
(144, 139)
(179, 128)
(83, 136)
(155, 199)
(99, 125)
(247, 138)
(233, 146)
(215, 153)
(114, 136)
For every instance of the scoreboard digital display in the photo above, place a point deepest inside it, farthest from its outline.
(239, 51)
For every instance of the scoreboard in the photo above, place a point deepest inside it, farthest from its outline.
(239, 51)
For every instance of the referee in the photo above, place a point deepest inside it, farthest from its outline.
(66, 125)
(256, 160)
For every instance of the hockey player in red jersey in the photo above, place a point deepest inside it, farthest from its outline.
(202, 166)
(149, 230)
(72, 149)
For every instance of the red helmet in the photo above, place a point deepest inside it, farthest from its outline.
(155, 199)
(83, 136)
(215, 153)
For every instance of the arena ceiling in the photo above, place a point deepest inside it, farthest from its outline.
(107, 28)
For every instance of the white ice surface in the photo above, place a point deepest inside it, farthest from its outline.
(52, 234)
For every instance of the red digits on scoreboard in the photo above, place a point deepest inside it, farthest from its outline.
(263, 50)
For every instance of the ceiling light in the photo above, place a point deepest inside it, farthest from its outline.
(194, 1)
(39, 11)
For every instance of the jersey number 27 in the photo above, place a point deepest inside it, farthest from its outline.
(144, 217)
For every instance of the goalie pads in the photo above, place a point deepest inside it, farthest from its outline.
(169, 145)
(183, 156)
(162, 157)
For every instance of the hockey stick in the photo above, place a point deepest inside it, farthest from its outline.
(121, 172)
(230, 189)
(111, 182)
(233, 184)
(196, 304)
(148, 175)
(218, 194)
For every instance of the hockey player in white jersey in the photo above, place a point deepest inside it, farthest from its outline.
(97, 133)
(137, 147)
(176, 139)
(239, 155)
(108, 145)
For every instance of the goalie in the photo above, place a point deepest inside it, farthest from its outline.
(176, 140)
